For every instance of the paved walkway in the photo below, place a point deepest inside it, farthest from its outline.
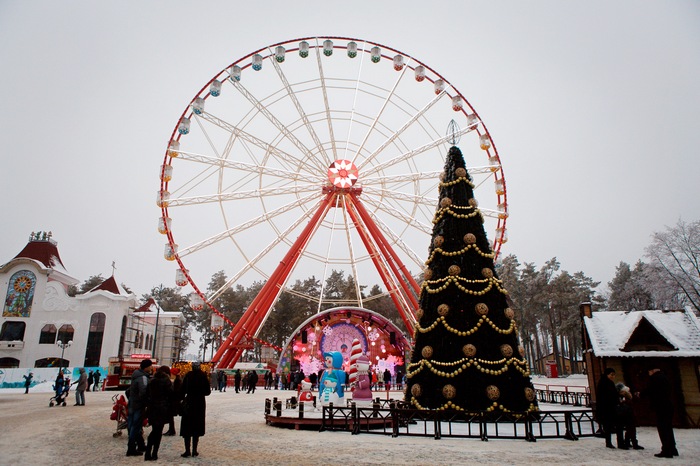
(33, 433)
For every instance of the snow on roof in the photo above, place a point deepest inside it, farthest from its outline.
(610, 331)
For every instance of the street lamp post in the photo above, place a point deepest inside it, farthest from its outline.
(63, 347)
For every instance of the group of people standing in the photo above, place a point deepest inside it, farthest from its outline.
(615, 411)
(160, 395)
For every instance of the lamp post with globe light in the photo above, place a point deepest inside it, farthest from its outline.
(63, 347)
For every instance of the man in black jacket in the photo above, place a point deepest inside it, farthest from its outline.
(607, 400)
(659, 393)
(138, 397)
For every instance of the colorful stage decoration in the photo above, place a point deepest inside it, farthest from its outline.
(362, 394)
(333, 379)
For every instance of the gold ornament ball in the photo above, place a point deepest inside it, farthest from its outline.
(473, 202)
(493, 393)
(481, 309)
(445, 202)
(427, 352)
(419, 313)
(529, 394)
(449, 391)
(454, 270)
(437, 242)
(469, 238)
(443, 309)
(507, 350)
(442, 176)
(486, 272)
(509, 313)
(416, 390)
(428, 274)
(469, 350)
(461, 172)
(521, 350)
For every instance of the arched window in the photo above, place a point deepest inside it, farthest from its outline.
(47, 335)
(65, 333)
(94, 340)
(12, 331)
(51, 362)
(20, 294)
(122, 336)
(8, 363)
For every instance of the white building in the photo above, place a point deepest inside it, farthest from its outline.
(102, 323)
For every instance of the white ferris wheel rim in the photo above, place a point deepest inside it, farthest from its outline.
(293, 164)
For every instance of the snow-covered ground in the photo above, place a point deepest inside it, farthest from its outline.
(33, 433)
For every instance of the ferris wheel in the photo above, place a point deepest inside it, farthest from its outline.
(317, 155)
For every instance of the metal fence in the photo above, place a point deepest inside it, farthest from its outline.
(395, 419)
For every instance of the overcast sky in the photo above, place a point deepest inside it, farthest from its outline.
(593, 107)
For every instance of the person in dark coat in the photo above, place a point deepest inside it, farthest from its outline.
(659, 393)
(27, 382)
(96, 377)
(252, 381)
(237, 380)
(195, 386)
(138, 397)
(177, 398)
(158, 409)
(626, 420)
(607, 400)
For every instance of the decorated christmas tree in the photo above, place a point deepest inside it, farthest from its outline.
(466, 355)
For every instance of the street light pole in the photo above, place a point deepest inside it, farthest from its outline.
(63, 347)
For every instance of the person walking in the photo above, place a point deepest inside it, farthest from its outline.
(387, 379)
(195, 387)
(81, 387)
(659, 393)
(607, 401)
(176, 400)
(237, 380)
(27, 382)
(58, 384)
(159, 409)
(138, 396)
(96, 376)
(252, 381)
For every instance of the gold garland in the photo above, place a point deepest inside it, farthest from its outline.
(444, 184)
(465, 364)
(493, 407)
(448, 209)
(454, 279)
(463, 333)
(464, 250)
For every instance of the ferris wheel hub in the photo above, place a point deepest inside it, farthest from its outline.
(343, 174)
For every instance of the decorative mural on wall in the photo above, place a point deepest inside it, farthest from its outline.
(20, 295)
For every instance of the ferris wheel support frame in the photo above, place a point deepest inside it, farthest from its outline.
(380, 264)
(227, 355)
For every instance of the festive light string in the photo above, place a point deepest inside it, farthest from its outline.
(459, 253)
(455, 279)
(462, 179)
(466, 363)
(448, 210)
(449, 406)
(463, 333)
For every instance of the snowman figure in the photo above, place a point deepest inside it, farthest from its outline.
(330, 390)
(305, 395)
(362, 395)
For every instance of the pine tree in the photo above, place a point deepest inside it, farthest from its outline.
(466, 355)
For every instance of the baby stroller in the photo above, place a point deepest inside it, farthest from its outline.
(60, 398)
(119, 413)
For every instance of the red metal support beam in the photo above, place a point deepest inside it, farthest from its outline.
(227, 354)
(408, 284)
(380, 263)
